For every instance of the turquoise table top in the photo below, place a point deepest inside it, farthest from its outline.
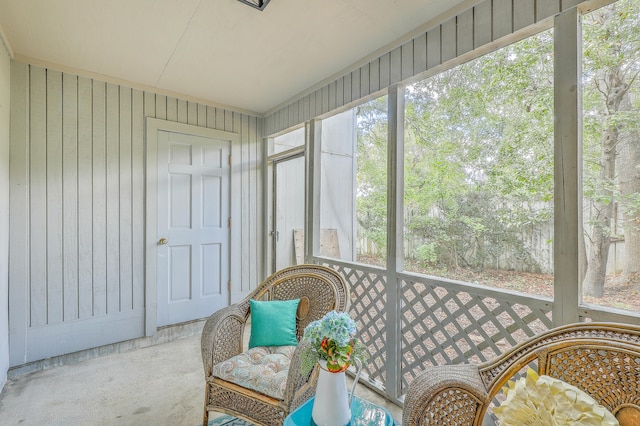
(363, 413)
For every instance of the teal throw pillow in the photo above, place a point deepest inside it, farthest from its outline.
(273, 323)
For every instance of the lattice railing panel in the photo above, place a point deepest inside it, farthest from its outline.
(442, 321)
(458, 323)
(368, 299)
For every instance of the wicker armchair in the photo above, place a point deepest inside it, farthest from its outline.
(320, 290)
(602, 359)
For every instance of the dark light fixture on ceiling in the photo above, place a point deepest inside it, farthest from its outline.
(258, 4)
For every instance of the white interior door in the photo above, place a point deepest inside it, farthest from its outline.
(193, 225)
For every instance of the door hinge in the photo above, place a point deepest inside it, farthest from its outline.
(229, 223)
(229, 159)
(229, 286)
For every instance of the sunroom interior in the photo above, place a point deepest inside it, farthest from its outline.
(475, 179)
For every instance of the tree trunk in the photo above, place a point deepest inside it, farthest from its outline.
(629, 180)
(593, 284)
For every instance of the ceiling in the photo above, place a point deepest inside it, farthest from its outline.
(219, 51)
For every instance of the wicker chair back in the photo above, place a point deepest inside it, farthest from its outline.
(602, 359)
(320, 290)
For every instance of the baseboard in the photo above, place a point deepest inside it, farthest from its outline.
(164, 334)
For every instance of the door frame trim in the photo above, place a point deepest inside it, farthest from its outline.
(274, 161)
(152, 127)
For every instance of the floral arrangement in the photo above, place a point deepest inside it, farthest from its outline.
(332, 339)
(543, 401)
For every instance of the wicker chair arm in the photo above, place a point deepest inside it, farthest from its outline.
(438, 391)
(222, 336)
(295, 379)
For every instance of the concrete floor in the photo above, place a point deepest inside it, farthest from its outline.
(155, 385)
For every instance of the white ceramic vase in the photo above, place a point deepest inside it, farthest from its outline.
(331, 403)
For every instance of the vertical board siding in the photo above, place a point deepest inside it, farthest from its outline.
(471, 29)
(125, 237)
(37, 182)
(228, 122)
(78, 191)
(112, 207)
(481, 24)
(502, 18)
(256, 131)
(70, 186)
(395, 66)
(346, 93)
(245, 201)
(374, 76)
(332, 96)
(85, 198)
(318, 99)
(464, 32)
(364, 81)
(19, 214)
(355, 87)
(253, 207)
(434, 48)
(192, 113)
(172, 111)
(407, 52)
(296, 111)
(53, 247)
(305, 101)
(210, 114)
(99, 179)
(138, 184)
(161, 107)
(202, 116)
(448, 40)
(546, 8)
(385, 67)
(420, 54)
(219, 123)
(524, 13)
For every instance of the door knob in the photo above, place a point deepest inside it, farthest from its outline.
(163, 241)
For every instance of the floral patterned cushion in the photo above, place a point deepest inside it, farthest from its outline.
(263, 369)
(543, 400)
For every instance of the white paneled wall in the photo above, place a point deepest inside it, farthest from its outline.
(488, 21)
(77, 207)
(5, 95)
